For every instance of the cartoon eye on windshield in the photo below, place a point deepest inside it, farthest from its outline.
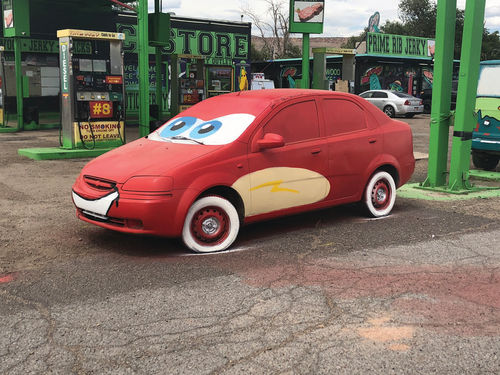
(178, 126)
(205, 130)
(218, 131)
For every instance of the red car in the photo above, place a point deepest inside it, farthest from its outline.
(248, 156)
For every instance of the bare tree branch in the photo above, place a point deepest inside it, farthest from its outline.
(273, 27)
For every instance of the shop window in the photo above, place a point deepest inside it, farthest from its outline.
(342, 116)
(220, 80)
(295, 123)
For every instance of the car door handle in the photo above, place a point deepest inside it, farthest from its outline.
(315, 151)
(372, 140)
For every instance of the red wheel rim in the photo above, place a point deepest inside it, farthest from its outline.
(381, 195)
(210, 225)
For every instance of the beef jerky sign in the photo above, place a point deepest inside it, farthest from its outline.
(306, 16)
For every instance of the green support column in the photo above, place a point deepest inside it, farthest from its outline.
(19, 83)
(174, 85)
(465, 118)
(319, 71)
(158, 70)
(143, 66)
(304, 83)
(159, 83)
(441, 94)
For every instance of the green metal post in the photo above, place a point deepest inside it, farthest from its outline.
(319, 71)
(143, 66)
(174, 85)
(19, 83)
(441, 94)
(159, 82)
(158, 70)
(465, 118)
(305, 61)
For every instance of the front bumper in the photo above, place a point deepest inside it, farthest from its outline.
(141, 214)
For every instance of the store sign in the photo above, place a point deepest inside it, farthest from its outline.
(307, 16)
(80, 47)
(209, 44)
(64, 66)
(399, 45)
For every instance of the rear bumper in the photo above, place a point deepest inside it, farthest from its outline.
(405, 109)
(490, 145)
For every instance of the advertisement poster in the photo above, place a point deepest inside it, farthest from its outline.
(307, 16)
(8, 14)
(308, 11)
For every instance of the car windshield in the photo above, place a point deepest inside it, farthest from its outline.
(211, 122)
(489, 81)
(401, 94)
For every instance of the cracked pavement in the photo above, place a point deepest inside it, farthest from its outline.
(319, 293)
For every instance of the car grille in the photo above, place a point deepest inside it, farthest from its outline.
(102, 219)
(100, 184)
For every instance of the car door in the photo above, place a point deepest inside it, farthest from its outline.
(380, 99)
(353, 143)
(292, 174)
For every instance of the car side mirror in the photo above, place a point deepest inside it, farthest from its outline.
(270, 140)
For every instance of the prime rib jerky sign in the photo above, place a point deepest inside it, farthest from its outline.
(399, 45)
(306, 16)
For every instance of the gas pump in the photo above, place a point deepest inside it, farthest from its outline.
(92, 91)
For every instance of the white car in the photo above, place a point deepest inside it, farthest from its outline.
(394, 103)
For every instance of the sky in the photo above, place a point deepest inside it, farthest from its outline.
(342, 17)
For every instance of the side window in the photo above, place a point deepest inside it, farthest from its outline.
(342, 116)
(379, 94)
(366, 95)
(295, 123)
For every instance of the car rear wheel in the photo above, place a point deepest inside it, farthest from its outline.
(211, 224)
(380, 194)
(389, 111)
(484, 161)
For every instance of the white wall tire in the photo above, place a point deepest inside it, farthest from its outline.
(380, 194)
(212, 224)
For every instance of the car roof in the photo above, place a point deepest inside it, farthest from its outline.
(278, 95)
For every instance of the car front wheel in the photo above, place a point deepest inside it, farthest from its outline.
(211, 224)
(389, 111)
(380, 194)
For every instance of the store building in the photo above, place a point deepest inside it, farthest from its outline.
(383, 61)
(211, 57)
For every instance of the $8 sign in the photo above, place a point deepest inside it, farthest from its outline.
(101, 109)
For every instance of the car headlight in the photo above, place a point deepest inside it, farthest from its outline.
(150, 184)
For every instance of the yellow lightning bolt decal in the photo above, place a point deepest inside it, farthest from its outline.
(276, 187)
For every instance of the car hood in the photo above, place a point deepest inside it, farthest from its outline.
(144, 157)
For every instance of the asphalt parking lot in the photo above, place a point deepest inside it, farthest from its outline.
(327, 292)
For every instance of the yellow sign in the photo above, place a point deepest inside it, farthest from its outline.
(99, 131)
(1, 116)
(90, 34)
(335, 51)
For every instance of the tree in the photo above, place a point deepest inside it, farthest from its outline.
(274, 30)
(491, 46)
(418, 17)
